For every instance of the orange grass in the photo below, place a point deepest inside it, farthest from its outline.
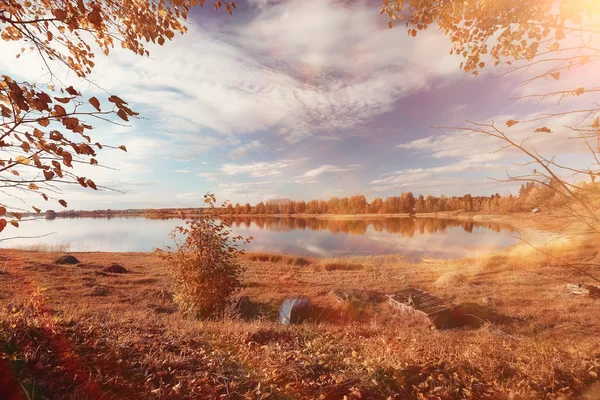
(77, 332)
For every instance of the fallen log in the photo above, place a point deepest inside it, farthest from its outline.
(418, 303)
(583, 290)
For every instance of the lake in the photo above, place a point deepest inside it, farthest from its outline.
(411, 237)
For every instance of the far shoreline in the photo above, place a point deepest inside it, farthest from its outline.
(515, 220)
(465, 215)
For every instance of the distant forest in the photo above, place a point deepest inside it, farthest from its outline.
(530, 196)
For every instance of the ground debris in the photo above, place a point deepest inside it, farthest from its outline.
(424, 305)
(115, 268)
(366, 296)
(584, 290)
(66, 260)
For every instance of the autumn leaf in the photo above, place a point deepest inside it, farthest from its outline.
(555, 75)
(33, 186)
(2, 211)
(122, 147)
(596, 123)
(93, 161)
(72, 91)
(55, 135)
(22, 160)
(36, 160)
(70, 123)
(117, 100)
(44, 122)
(511, 122)
(579, 91)
(37, 210)
(14, 223)
(95, 18)
(17, 215)
(48, 175)
(60, 111)
(63, 203)
(122, 115)
(95, 102)
(92, 184)
(61, 15)
(67, 158)
(544, 129)
(2, 224)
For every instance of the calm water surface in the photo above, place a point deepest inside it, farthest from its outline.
(412, 237)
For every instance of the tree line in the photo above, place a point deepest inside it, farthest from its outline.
(531, 195)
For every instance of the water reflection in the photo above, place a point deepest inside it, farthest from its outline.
(407, 227)
(412, 237)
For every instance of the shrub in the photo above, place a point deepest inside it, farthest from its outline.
(338, 266)
(277, 258)
(301, 261)
(205, 266)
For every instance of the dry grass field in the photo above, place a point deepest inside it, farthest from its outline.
(80, 332)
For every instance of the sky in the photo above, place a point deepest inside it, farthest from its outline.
(300, 99)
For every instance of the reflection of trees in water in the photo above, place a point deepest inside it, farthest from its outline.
(407, 227)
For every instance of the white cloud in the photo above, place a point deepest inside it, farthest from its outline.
(351, 37)
(252, 192)
(451, 186)
(323, 169)
(311, 175)
(458, 108)
(246, 149)
(210, 176)
(254, 170)
(190, 196)
(416, 176)
(331, 138)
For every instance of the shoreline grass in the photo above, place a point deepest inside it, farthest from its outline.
(45, 247)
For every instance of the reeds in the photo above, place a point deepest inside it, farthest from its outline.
(64, 247)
